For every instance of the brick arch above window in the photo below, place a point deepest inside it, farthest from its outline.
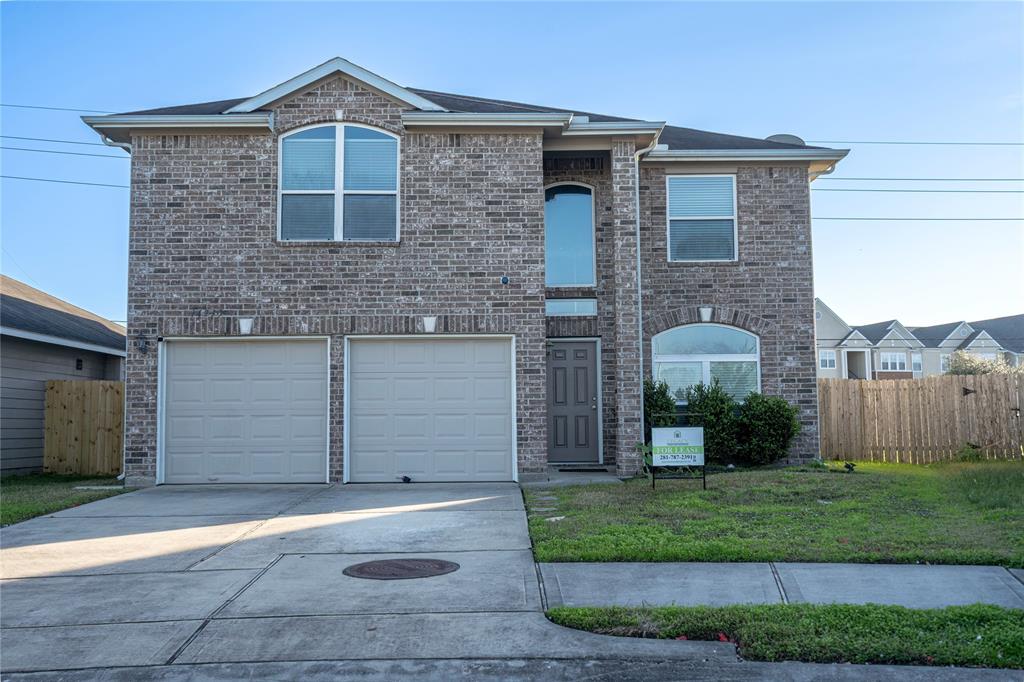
(329, 119)
(677, 317)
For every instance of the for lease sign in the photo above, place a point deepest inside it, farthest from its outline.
(677, 446)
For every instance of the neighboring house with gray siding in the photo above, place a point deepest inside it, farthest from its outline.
(42, 338)
(895, 351)
(345, 279)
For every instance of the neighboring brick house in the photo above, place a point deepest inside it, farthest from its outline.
(343, 278)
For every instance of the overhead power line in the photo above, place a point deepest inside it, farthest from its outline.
(930, 191)
(64, 182)
(47, 139)
(36, 106)
(923, 142)
(819, 179)
(54, 151)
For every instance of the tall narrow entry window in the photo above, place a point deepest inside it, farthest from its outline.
(569, 236)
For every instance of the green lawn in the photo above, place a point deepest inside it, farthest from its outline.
(978, 635)
(23, 497)
(947, 514)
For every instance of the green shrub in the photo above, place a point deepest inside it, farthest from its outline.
(970, 453)
(766, 425)
(964, 363)
(715, 410)
(659, 406)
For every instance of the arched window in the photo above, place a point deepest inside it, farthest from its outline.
(694, 353)
(569, 236)
(338, 182)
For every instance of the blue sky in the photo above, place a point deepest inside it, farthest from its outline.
(824, 71)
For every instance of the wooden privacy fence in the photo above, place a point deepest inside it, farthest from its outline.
(921, 420)
(84, 427)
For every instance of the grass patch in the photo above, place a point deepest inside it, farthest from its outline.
(24, 497)
(978, 635)
(962, 513)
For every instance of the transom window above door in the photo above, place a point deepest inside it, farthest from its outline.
(338, 182)
(569, 236)
(700, 353)
(701, 218)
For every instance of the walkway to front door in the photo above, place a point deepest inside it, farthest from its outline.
(573, 409)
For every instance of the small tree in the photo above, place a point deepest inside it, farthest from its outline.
(659, 406)
(715, 410)
(766, 427)
(963, 363)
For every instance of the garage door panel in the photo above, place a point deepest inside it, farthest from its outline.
(437, 409)
(246, 411)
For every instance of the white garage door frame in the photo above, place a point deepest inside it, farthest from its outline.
(346, 469)
(161, 381)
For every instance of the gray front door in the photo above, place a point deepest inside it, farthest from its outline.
(573, 415)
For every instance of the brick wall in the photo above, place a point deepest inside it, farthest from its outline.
(203, 251)
(769, 291)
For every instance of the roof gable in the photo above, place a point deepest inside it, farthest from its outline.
(1007, 331)
(330, 68)
(937, 334)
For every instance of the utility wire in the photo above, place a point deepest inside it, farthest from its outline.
(34, 106)
(927, 179)
(929, 191)
(65, 182)
(976, 144)
(53, 151)
(46, 139)
(23, 270)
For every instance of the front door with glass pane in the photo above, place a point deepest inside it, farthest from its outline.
(573, 411)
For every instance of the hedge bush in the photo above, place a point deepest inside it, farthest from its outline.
(715, 410)
(659, 406)
(766, 426)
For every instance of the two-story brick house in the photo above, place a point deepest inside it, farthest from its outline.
(344, 279)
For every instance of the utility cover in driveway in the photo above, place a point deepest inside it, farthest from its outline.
(246, 411)
(431, 409)
(400, 569)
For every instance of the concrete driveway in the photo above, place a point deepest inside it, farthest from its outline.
(168, 581)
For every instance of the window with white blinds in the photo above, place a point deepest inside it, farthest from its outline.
(701, 218)
(338, 182)
(703, 353)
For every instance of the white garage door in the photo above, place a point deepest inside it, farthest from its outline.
(245, 412)
(430, 409)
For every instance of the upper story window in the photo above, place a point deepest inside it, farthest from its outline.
(700, 353)
(338, 182)
(701, 218)
(569, 236)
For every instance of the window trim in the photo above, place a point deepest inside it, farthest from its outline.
(945, 360)
(826, 355)
(735, 219)
(339, 190)
(705, 360)
(919, 361)
(593, 233)
(901, 358)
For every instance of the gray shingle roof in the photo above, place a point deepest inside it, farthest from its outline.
(932, 336)
(1007, 331)
(673, 136)
(876, 331)
(30, 310)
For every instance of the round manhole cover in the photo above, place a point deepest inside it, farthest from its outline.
(400, 569)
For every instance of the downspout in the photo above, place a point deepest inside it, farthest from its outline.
(639, 279)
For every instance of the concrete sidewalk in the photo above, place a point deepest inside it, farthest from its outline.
(718, 584)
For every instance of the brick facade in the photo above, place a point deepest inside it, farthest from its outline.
(768, 291)
(203, 252)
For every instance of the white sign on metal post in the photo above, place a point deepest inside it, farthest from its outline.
(673, 446)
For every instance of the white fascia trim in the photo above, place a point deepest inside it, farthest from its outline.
(533, 120)
(336, 65)
(746, 155)
(58, 341)
(616, 127)
(950, 335)
(260, 120)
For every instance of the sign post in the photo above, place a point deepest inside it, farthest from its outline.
(678, 447)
